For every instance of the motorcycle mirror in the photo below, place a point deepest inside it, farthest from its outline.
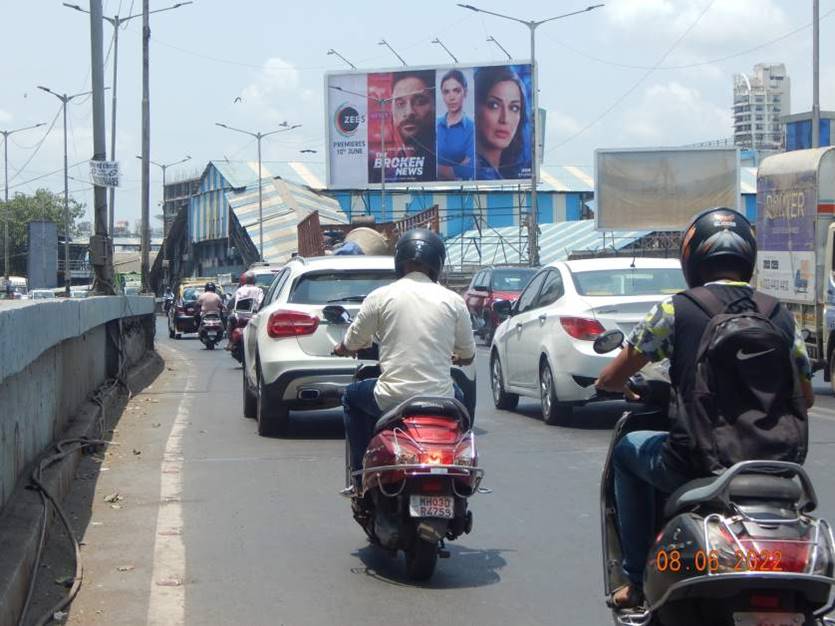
(336, 314)
(608, 341)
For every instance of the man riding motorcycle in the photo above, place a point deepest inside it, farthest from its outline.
(419, 325)
(248, 290)
(209, 302)
(718, 252)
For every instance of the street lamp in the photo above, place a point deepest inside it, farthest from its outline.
(64, 98)
(385, 43)
(501, 47)
(259, 136)
(116, 22)
(334, 52)
(441, 43)
(6, 213)
(533, 244)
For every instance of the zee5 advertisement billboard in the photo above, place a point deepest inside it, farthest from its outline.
(435, 125)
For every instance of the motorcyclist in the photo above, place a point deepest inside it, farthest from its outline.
(419, 325)
(209, 302)
(718, 251)
(248, 289)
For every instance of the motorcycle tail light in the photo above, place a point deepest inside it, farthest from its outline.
(764, 601)
(582, 328)
(284, 324)
(465, 452)
(431, 485)
(436, 457)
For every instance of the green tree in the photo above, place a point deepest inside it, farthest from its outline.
(42, 205)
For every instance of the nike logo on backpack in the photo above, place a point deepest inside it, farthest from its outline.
(744, 356)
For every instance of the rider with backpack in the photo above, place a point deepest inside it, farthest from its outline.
(740, 376)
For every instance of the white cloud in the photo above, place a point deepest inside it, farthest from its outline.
(5, 116)
(674, 114)
(276, 92)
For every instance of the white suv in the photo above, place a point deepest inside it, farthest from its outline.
(287, 345)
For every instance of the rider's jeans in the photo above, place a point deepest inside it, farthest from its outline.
(639, 472)
(360, 414)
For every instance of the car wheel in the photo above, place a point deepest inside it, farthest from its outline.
(832, 370)
(501, 399)
(250, 399)
(272, 417)
(553, 412)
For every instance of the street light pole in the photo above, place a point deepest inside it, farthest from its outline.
(501, 47)
(7, 209)
(116, 23)
(385, 43)
(816, 107)
(258, 137)
(441, 43)
(334, 52)
(533, 217)
(65, 99)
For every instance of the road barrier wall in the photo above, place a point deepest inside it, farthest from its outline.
(53, 356)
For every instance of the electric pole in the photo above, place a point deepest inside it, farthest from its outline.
(146, 145)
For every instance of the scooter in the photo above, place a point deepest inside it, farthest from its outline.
(738, 549)
(419, 471)
(238, 320)
(210, 330)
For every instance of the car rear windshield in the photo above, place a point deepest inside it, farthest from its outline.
(511, 280)
(265, 280)
(639, 281)
(190, 295)
(343, 286)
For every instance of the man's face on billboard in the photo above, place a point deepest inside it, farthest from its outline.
(412, 107)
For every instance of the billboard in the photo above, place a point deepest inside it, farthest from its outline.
(662, 188)
(429, 125)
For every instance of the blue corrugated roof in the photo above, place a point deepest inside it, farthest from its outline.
(556, 242)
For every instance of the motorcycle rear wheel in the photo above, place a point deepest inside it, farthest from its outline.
(421, 559)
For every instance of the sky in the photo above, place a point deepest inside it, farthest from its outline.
(635, 73)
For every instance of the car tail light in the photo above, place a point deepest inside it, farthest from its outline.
(291, 324)
(582, 328)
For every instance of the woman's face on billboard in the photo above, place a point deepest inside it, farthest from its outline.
(499, 115)
(453, 93)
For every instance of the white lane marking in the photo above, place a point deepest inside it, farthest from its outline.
(166, 606)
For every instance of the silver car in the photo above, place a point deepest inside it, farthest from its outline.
(288, 365)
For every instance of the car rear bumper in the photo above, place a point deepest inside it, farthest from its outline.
(576, 371)
(186, 323)
(310, 388)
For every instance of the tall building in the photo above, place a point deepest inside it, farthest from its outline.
(760, 100)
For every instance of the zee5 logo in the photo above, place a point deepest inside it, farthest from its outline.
(347, 120)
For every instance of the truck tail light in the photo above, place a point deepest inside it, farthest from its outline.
(582, 328)
(291, 324)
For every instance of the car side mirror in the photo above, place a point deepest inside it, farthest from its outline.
(481, 288)
(503, 308)
(608, 341)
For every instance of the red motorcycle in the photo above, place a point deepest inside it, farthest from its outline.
(238, 319)
(420, 469)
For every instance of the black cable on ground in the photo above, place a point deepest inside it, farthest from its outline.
(47, 498)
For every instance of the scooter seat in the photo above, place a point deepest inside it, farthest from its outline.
(425, 405)
(743, 487)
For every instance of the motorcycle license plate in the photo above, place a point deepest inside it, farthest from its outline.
(432, 506)
(768, 619)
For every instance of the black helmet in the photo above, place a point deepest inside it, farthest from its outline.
(716, 235)
(421, 246)
(210, 287)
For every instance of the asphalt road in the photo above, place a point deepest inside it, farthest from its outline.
(267, 540)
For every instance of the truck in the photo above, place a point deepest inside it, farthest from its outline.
(796, 255)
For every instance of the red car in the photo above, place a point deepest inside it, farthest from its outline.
(488, 286)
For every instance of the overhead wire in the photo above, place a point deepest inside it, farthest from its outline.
(37, 148)
(685, 66)
(637, 83)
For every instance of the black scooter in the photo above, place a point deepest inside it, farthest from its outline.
(738, 549)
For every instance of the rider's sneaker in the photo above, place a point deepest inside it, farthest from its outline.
(348, 492)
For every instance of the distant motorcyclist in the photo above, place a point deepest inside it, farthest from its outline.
(419, 325)
(248, 290)
(209, 301)
(718, 254)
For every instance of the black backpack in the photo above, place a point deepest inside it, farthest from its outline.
(745, 401)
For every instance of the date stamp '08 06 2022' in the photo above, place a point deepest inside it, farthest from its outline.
(702, 561)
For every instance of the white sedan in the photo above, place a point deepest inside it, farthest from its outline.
(544, 349)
